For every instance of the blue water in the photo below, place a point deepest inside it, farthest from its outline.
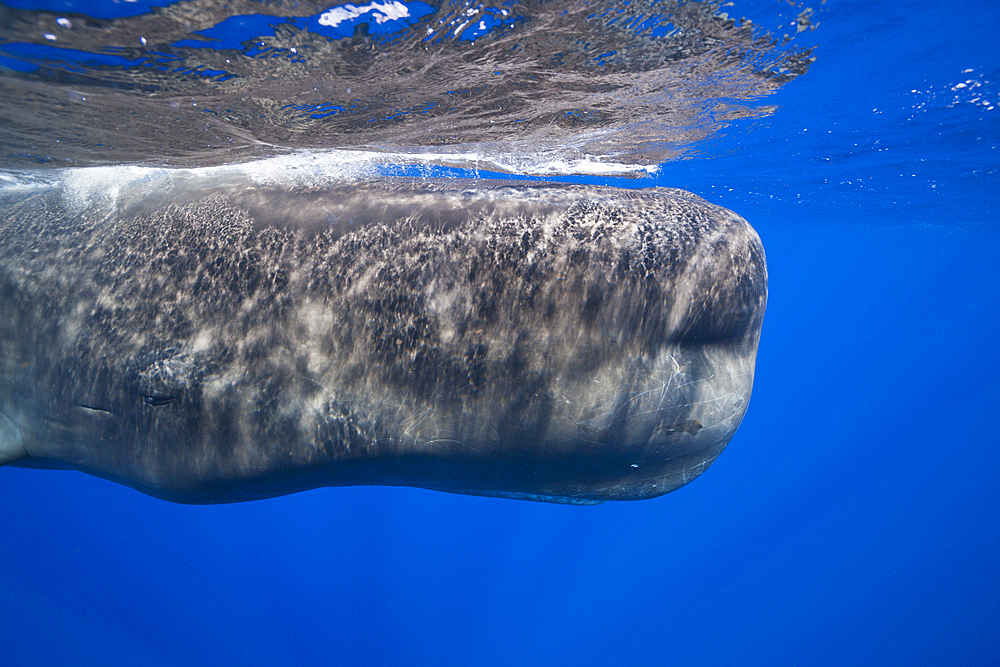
(854, 519)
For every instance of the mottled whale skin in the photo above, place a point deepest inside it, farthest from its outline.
(218, 339)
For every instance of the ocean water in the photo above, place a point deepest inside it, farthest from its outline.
(853, 519)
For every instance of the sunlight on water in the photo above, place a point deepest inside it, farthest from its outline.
(526, 87)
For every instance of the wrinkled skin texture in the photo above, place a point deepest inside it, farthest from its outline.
(217, 340)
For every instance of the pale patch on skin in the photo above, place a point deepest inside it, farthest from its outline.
(204, 340)
(11, 443)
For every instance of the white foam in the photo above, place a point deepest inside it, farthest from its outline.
(86, 186)
(89, 186)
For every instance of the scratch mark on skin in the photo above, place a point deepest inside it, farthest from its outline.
(438, 441)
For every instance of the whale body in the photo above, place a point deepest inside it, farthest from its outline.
(218, 339)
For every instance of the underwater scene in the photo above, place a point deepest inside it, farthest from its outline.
(544, 225)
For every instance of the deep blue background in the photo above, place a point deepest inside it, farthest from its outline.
(854, 519)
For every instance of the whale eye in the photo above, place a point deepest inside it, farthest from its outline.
(165, 381)
(155, 400)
